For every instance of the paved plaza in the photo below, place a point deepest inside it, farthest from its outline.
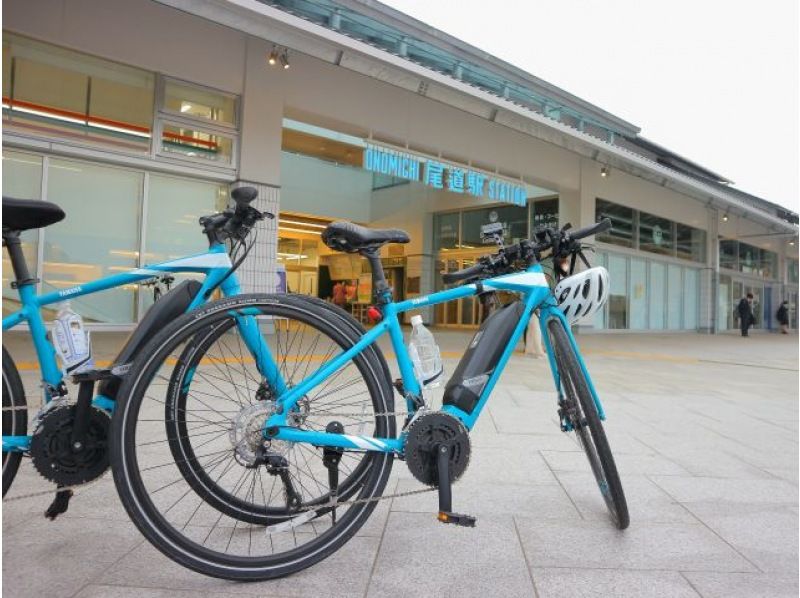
(705, 432)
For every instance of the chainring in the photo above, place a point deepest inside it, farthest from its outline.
(425, 435)
(53, 455)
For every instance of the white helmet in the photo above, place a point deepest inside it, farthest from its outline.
(582, 294)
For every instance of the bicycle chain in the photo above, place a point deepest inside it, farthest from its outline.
(327, 505)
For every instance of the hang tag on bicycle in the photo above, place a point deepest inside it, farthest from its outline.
(72, 341)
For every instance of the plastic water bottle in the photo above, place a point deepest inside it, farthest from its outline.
(425, 355)
(72, 340)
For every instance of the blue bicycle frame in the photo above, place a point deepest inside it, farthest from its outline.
(534, 291)
(215, 264)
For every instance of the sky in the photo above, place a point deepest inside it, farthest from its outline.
(715, 81)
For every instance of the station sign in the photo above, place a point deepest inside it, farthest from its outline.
(441, 175)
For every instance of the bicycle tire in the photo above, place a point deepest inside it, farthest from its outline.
(180, 439)
(595, 444)
(15, 421)
(154, 524)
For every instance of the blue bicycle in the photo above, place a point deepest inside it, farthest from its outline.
(253, 464)
(68, 443)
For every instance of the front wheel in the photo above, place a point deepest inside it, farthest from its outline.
(190, 462)
(578, 409)
(15, 417)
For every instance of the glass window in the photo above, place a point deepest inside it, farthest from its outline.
(690, 243)
(513, 218)
(618, 299)
(749, 259)
(196, 102)
(728, 254)
(792, 273)
(600, 316)
(655, 234)
(445, 231)
(638, 294)
(545, 213)
(196, 144)
(51, 90)
(621, 231)
(172, 231)
(99, 236)
(691, 297)
(674, 297)
(657, 292)
(22, 179)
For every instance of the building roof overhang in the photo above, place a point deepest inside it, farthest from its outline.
(280, 27)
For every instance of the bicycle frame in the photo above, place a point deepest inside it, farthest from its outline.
(535, 293)
(215, 264)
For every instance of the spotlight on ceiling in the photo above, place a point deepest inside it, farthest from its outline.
(273, 56)
(285, 59)
(791, 242)
(725, 217)
(604, 172)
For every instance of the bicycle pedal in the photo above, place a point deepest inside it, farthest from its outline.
(59, 505)
(456, 519)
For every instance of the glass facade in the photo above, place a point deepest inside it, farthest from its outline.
(85, 100)
(748, 259)
(52, 91)
(103, 232)
(622, 227)
(648, 294)
(647, 232)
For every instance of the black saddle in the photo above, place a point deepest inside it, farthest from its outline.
(25, 214)
(351, 238)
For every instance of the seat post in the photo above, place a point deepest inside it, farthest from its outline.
(381, 292)
(14, 246)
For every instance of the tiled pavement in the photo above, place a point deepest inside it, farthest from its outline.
(705, 431)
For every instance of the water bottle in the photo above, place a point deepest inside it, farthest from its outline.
(72, 340)
(425, 355)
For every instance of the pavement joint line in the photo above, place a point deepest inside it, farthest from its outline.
(525, 557)
(380, 541)
(571, 500)
(691, 585)
(704, 524)
(750, 365)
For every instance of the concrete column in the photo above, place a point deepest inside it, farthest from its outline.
(709, 276)
(260, 160)
(258, 273)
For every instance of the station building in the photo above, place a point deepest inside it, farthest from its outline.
(137, 117)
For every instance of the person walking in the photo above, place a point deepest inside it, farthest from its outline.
(783, 317)
(745, 310)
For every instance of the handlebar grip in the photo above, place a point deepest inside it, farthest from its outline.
(599, 227)
(459, 275)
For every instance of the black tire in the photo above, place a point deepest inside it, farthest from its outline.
(579, 404)
(132, 479)
(15, 420)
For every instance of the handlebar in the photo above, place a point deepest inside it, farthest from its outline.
(234, 222)
(563, 242)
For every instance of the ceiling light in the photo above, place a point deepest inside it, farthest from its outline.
(725, 217)
(791, 242)
(273, 57)
(185, 107)
(285, 59)
(604, 172)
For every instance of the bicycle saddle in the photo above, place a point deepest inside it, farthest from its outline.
(349, 237)
(25, 214)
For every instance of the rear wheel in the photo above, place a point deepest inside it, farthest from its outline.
(184, 457)
(15, 417)
(579, 410)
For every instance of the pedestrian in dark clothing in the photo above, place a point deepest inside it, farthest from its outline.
(745, 310)
(783, 317)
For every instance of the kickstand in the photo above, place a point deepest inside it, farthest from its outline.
(445, 492)
(330, 459)
(59, 505)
